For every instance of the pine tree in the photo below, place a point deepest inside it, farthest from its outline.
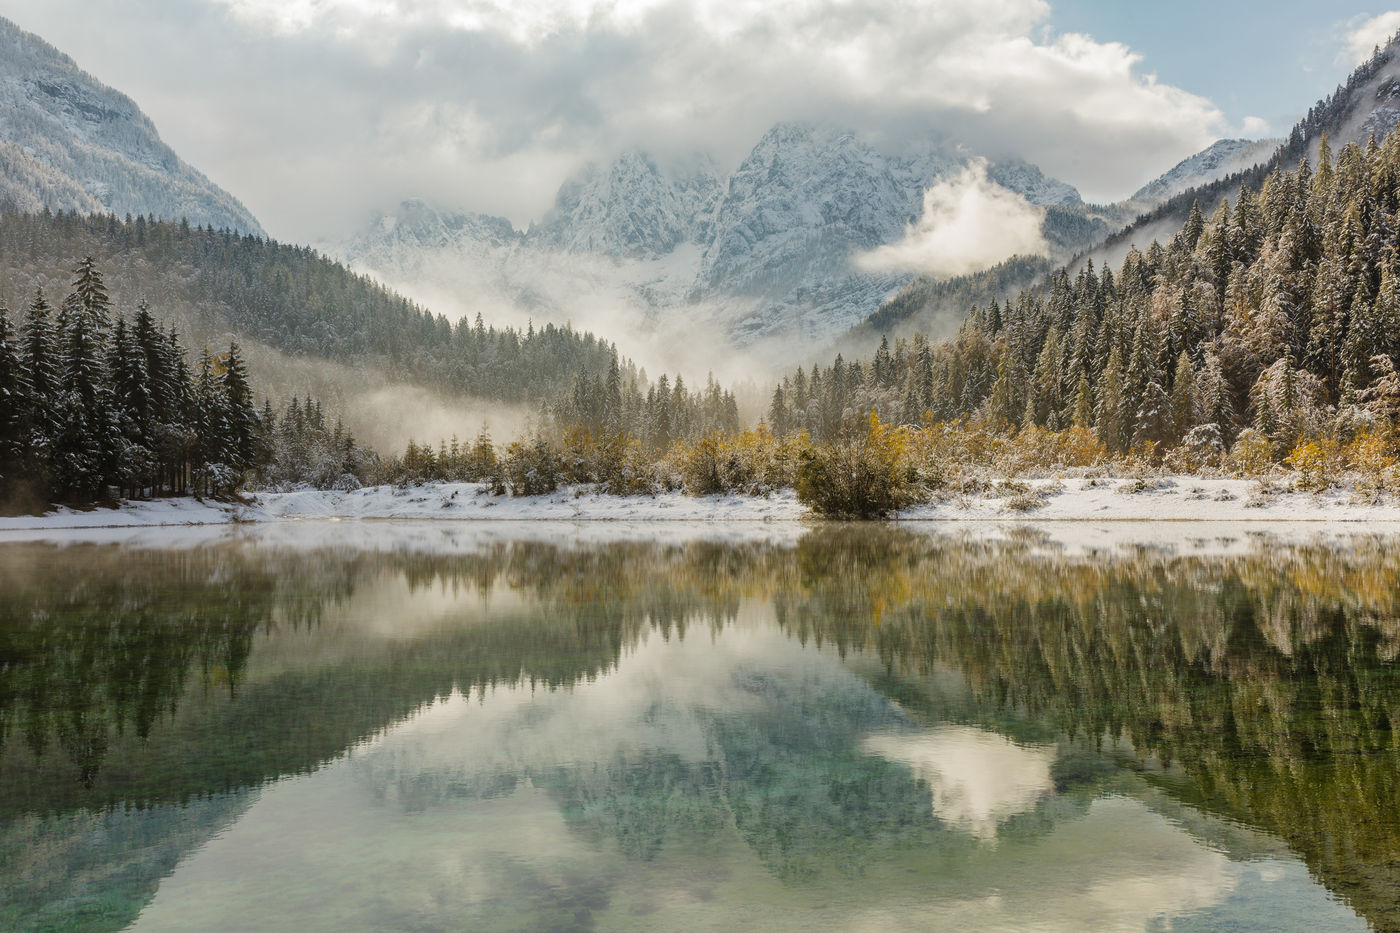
(39, 383)
(11, 404)
(883, 365)
(1185, 401)
(778, 419)
(1154, 423)
(612, 398)
(1083, 403)
(241, 418)
(1044, 399)
(85, 449)
(131, 410)
(1195, 226)
(1006, 407)
(1113, 422)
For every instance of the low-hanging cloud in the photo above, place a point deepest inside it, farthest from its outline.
(314, 112)
(1365, 37)
(969, 223)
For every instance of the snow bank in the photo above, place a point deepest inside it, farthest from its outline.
(1180, 498)
(156, 512)
(474, 501)
(1168, 498)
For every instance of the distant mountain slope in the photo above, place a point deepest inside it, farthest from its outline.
(936, 306)
(1367, 104)
(677, 255)
(631, 207)
(1221, 158)
(392, 369)
(68, 142)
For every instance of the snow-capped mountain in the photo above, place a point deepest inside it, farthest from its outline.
(68, 142)
(416, 227)
(1032, 184)
(1367, 105)
(763, 254)
(630, 207)
(1221, 158)
(803, 202)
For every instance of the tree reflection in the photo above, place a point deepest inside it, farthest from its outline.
(1262, 686)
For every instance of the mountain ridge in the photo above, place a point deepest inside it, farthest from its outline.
(68, 142)
(1366, 105)
(762, 253)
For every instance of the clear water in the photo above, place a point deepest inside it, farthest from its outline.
(868, 729)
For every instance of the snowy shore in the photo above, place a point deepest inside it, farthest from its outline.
(1178, 498)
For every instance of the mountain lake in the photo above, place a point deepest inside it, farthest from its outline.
(397, 726)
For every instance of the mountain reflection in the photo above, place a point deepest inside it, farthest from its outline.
(870, 727)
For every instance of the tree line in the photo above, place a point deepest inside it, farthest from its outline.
(1278, 314)
(298, 301)
(93, 402)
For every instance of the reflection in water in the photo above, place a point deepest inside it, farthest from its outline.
(869, 729)
(977, 778)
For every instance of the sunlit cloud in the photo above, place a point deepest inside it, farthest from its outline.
(585, 79)
(317, 112)
(1254, 127)
(969, 222)
(1362, 38)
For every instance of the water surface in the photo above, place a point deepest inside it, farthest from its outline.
(858, 728)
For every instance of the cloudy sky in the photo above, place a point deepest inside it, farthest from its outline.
(316, 112)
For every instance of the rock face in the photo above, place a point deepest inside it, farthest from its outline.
(629, 208)
(763, 253)
(68, 142)
(802, 203)
(417, 227)
(1223, 157)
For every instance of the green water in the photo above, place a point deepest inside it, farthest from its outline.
(862, 728)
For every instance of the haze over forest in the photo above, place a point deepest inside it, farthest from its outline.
(679, 205)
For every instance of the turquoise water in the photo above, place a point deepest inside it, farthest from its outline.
(864, 729)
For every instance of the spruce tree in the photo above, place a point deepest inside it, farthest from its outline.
(86, 446)
(1185, 400)
(241, 417)
(12, 410)
(39, 382)
(1112, 418)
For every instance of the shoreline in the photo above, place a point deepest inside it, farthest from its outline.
(1176, 499)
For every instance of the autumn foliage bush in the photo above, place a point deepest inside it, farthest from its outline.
(867, 476)
(529, 468)
(874, 469)
(753, 463)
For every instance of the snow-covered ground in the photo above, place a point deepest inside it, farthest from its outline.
(1177, 515)
(1166, 498)
(1179, 498)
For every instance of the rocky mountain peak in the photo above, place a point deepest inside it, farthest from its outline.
(69, 142)
(629, 207)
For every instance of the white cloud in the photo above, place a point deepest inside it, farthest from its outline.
(969, 222)
(315, 111)
(1255, 127)
(1363, 38)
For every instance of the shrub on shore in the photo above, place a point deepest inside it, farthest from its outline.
(867, 476)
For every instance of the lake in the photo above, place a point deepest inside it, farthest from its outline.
(539, 727)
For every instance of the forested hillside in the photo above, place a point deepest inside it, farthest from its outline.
(296, 301)
(1356, 110)
(1279, 312)
(94, 395)
(69, 142)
